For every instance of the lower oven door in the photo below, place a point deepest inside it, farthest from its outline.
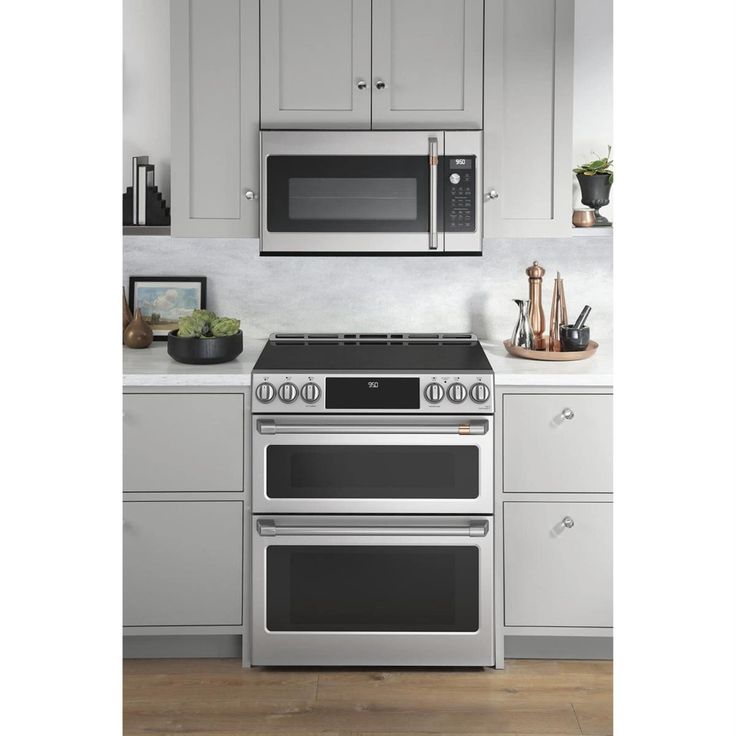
(373, 465)
(369, 590)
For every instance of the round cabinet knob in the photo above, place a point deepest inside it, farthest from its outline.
(457, 393)
(380, 84)
(493, 194)
(310, 392)
(288, 392)
(479, 393)
(568, 522)
(568, 414)
(265, 393)
(250, 194)
(454, 178)
(361, 84)
(434, 393)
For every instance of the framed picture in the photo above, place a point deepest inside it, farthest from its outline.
(163, 299)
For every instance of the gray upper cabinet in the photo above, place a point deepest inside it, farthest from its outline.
(528, 117)
(214, 118)
(427, 64)
(316, 64)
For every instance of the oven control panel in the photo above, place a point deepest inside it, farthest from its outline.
(459, 191)
(364, 393)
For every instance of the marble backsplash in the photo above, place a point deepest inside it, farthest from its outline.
(374, 294)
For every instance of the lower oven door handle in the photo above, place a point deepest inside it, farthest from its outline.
(268, 528)
(268, 426)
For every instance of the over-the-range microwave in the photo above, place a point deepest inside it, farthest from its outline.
(371, 192)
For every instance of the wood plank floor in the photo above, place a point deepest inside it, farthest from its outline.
(218, 697)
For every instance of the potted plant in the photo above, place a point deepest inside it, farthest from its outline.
(595, 180)
(204, 338)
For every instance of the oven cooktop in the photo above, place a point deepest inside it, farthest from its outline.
(368, 353)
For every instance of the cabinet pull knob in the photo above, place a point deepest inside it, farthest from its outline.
(361, 84)
(249, 194)
(380, 84)
(569, 522)
(568, 414)
(493, 194)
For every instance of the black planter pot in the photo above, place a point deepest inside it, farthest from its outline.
(204, 350)
(595, 192)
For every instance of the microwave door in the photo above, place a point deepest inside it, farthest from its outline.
(352, 192)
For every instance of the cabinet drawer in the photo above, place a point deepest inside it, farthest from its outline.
(182, 563)
(183, 442)
(545, 452)
(555, 575)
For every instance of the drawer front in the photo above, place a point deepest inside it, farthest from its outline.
(182, 563)
(183, 442)
(543, 451)
(558, 575)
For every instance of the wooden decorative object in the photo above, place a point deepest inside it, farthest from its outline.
(138, 334)
(549, 354)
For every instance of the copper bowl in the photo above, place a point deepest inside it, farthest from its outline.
(583, 218)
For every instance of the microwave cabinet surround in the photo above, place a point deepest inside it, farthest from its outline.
(371, 192)
(380, 64)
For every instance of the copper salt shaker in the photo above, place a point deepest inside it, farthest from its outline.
(536, 311)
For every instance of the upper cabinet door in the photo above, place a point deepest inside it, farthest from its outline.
(214, 118)
(528, 117)
(428, 64)
(315, 64)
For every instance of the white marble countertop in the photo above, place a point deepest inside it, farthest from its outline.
(153, 367)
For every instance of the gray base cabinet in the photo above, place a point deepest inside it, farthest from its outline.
(214, 118)
(528, 118)
(183, 442)
(553, 518)
(183, 563)
(558, 564)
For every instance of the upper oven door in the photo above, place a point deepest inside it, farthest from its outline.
(347, 192)
(373, 465)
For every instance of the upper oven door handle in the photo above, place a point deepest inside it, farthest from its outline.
(269, 528)
(268, 426)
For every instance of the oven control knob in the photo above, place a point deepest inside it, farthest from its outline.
(480, 393)
(457, 393)
(265, 393)
(434, 393)
(310, 392)
(288, 392)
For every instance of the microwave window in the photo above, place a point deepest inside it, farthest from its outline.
(352, 198)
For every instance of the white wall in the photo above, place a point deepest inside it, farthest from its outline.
(593, 86)
(146, 88)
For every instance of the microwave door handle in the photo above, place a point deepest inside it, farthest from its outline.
(268, 426)
(268, 528)
(433, 161)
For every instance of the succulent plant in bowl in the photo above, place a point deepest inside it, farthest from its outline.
(204, 338)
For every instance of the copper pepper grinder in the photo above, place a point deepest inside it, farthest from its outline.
(536, 311)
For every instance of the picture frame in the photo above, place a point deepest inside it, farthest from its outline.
(163, 299)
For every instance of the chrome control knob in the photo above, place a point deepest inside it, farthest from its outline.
(288, 392)
(457, 393)
(265, 393)
(480, 393)
(454, 178)
(311, 393)
(434, 393)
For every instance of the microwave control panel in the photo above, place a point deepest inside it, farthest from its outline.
(459, 191)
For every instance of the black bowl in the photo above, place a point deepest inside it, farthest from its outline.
(574, 339)
(204, 350)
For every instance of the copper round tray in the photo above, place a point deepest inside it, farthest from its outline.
(551, 355)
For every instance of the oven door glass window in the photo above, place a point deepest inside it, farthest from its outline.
(377, 588)
(356, 471)
(347, 194)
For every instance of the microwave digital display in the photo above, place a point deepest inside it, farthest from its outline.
(372, 393)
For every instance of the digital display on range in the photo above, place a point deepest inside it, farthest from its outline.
(372, 393)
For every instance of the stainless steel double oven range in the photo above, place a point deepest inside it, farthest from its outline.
(372, 501)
